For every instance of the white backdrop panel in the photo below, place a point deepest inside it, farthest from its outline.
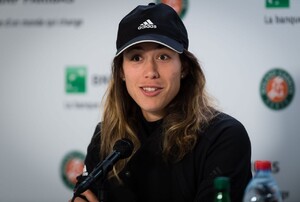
(40, 123)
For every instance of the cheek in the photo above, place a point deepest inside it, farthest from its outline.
(176, 75)
(175, 82)
(128, 71)
(130, 82)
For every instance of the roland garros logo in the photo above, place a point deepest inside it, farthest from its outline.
(277, 89)
(180, 6)
(72, 166)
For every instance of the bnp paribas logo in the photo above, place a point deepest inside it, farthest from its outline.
(75, 79)
(277, 89)
(180, 6)
(277, 3)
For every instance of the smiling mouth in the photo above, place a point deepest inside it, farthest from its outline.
(149, 89)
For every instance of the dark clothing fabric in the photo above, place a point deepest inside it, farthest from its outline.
(223, 149)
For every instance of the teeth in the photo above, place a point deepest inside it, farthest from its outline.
(149, 89)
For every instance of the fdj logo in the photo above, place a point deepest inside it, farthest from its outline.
(277, 89)
(277, 3)
(76, 79)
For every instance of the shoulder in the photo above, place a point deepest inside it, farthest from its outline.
(97, 134)
(225, 128)
(225, 120)
(95, 140)
(93, 149)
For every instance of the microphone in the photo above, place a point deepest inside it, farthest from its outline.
(122, 149)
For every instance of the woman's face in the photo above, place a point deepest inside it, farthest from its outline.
(152, 75)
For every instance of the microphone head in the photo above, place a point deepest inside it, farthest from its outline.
(124, 147)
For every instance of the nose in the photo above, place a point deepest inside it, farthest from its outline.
(151, 69)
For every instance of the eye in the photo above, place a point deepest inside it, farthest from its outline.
(136, 58)
(163, 57)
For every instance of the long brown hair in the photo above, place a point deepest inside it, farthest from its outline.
(187, 114)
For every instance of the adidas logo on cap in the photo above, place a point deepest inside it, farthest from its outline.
(147, 24)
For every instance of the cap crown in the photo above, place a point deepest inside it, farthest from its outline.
(152, 22)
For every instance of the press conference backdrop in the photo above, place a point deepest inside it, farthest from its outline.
(55, 58)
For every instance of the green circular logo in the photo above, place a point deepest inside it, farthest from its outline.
(277, 89)
(180, 6)
(72, 165)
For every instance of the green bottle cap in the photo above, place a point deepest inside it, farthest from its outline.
(221, 183)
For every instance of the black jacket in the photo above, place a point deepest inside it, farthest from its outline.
(223, 149)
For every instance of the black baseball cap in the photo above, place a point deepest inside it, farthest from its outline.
(157, 23)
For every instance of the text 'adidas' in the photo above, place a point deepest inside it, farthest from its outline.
(147, 24)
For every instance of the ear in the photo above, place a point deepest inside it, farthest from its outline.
(122, 76)
(183, 72)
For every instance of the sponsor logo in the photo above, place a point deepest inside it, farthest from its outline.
(277, 3)
(180, 6)
(280, 18)
(277, 89)
(76, 79)
(72, 166)
(35, 1)
(78, 82)
(147, 24)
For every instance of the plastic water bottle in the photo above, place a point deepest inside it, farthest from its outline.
(262, 187)
(222, 185)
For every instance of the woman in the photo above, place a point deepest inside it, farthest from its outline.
(157, 99)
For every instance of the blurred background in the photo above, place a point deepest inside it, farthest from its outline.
(55, 58)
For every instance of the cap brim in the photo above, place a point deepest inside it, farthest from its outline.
(155, 38)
